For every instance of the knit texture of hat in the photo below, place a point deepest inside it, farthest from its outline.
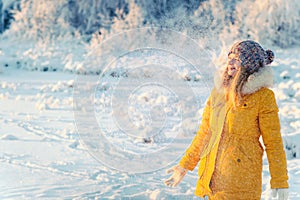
(252, 55)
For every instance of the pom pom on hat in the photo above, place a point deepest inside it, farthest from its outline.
(269, 57)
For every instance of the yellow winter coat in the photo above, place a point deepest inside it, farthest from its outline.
(228, 147)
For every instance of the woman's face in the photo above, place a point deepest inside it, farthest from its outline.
(233, 65)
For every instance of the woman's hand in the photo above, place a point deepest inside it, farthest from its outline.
(282, 193)
(177, 176)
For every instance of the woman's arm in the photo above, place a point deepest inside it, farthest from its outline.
(270, 128)
(193, 153)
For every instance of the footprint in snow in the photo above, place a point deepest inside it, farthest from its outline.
(9, 137)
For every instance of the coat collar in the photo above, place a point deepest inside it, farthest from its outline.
(256, 81)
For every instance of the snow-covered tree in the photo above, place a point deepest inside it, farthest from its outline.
(134, 18)
(45, 26)
(91, 15)
(276, 22)
(40, 20)
(6, 16)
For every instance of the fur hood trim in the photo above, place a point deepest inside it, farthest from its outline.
(256, 81)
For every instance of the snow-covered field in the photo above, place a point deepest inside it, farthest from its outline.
(41, 152)
(99, 98)
(44, 154)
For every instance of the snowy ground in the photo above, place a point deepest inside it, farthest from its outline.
(42, 155)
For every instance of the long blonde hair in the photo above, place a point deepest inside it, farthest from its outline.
(234, 85)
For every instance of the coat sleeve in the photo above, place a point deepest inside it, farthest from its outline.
(270, 128)
(193, 153)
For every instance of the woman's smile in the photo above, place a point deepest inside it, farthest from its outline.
(233, 65)
(232, 70)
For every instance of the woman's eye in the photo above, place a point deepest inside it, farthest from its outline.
(233, 59)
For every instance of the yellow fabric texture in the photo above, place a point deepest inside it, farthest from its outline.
(228, 147)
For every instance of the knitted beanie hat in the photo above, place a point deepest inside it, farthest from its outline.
(252, 55)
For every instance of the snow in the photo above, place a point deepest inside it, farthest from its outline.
(103, 115)
(43, 156)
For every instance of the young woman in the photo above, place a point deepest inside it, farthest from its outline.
(240, 109)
